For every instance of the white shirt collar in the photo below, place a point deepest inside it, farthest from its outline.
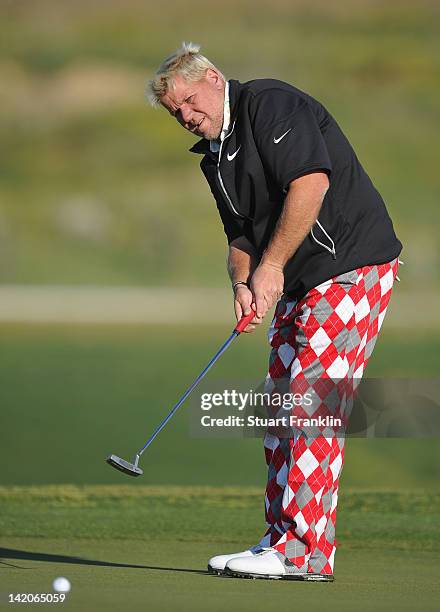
(215, 144)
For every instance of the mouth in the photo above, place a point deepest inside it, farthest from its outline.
(196, 128)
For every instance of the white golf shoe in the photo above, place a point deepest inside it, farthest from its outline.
(216, 565)
(270, 564)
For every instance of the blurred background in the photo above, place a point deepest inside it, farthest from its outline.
(113, 289)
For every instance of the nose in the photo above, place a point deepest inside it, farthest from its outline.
(186, 114)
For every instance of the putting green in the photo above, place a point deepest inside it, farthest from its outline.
(145, 548)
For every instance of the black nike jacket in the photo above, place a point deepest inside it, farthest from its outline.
(278, 133)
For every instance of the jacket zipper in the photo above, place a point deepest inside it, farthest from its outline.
(220, 176)
(331, 250)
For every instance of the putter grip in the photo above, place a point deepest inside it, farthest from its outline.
(244, 322)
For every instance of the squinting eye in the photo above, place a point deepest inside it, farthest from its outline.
(190, 100)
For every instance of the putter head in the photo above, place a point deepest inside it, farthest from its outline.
(131, 469)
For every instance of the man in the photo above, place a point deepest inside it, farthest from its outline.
(307, 231)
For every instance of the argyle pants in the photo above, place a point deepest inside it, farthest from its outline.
(326, 337)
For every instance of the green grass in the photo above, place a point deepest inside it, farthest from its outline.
(72, 395)
(138, 547)
(131, 511)
(73, 141)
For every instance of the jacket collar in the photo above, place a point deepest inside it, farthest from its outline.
(202, 146)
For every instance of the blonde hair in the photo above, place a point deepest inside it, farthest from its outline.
(186, 62)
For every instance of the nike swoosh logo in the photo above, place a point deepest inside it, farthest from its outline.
(231, 157)
(277, 140)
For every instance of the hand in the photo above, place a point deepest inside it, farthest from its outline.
(267, 286)
(243, 300)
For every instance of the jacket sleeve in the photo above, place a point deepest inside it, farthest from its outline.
(287, 136)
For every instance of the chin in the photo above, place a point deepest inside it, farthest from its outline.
(212, 135)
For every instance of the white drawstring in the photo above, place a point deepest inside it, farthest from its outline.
(330, 250)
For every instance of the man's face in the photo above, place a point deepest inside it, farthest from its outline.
(198, 106)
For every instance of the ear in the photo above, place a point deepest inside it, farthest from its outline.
(213, 77)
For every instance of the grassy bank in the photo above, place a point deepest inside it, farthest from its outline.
(97, 188)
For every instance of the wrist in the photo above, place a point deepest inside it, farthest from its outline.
(239, 284)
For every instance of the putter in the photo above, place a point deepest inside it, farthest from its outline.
(133, 469)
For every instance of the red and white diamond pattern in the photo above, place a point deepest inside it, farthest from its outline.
(329, 334)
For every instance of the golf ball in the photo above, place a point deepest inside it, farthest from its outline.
(61, 584)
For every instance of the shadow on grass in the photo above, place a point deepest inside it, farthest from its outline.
(10, 553)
